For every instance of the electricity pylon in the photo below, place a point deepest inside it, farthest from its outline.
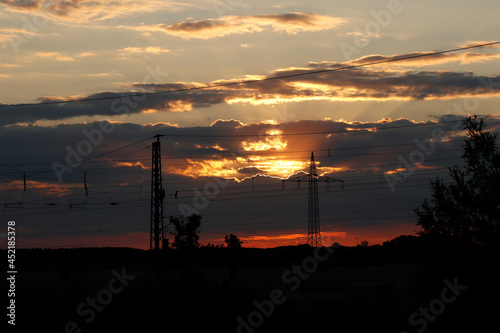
(157, 231)
(313, 229)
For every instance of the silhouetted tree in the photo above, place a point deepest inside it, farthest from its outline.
(232, 241)
(469, 206)
(186, 231)
(364, 244)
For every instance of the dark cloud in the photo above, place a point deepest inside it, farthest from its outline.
(113, 104)
(420, 59)
(352, 84)
(21, 3)
(250, 171)
(34, 148)
(78, 11)
(194, 27)
(262, 206)
(291, 18)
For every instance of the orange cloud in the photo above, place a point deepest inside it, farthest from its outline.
(274, 142)
(75, 11)
(240, 168)
(296, 84)
(52, 189)
(228, 25)
(228, 122)
(216, 147)
(161, 124)
(420, 59)
(54, 55)
(142, 50)
(292, 237)
(472, 43)
(130, 165)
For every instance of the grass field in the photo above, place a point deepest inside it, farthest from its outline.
(354, 290)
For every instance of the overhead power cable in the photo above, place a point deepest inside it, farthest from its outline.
(243, 135)
(244, 82)
(332, 151)
(83, 160)
(306, 133)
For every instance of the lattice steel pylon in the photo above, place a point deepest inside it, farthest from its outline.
(157, 231)
(313, 230)
(313, 225)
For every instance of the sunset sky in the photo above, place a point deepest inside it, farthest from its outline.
(85, 85)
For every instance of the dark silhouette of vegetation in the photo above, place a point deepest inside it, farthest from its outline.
(233, 242)
(357, 289)
(363, 244)
(212, 246)
(186, 232)
(468, 207)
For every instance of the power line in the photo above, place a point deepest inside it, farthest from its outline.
(239, 195)
(284, 134)
(231, 154)
(83, 160)
(356, 167)
(228, 197)
(121, 221)
(244, 82)
(232, 194)
(309, 133)
(336, 155)
(206, 225)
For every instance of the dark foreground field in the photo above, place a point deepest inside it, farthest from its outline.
(412, 285)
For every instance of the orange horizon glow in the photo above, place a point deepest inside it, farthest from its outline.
(271, 166)
(375, 234)
(54, 188)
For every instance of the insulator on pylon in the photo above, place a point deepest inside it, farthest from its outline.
(85, 184)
